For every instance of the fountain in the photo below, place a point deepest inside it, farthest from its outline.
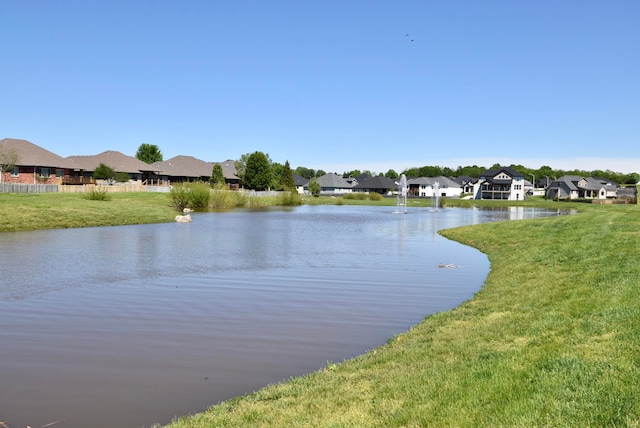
(436, 195)
(402, 195)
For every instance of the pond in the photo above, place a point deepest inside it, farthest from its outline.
(134, 325)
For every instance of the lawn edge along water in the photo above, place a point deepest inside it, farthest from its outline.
(552, 339)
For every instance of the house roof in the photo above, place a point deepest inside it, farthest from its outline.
(490, 173)
(431, 181)
(186, 166)
(190, 167)
(30, 154)
(332, 180)
(299, 180)
(377, 182)
(116, 160)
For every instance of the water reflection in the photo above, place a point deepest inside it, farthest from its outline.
(127, 326)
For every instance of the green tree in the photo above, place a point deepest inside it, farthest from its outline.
(276, 173)
(8, 160)
(391, 174)
(286, 178)
(257, 174)
(105, 172)
(320, 173)
(305, 172)
(241, 166)
(149, 153)
(314, 187)
(217, 176)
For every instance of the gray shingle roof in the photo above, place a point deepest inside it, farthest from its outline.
(30, 154)
(332, 180)
(116, 160)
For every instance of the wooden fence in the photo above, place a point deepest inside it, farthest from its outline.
(27, 188)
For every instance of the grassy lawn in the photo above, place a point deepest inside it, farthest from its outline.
(63, 210)
(553, 339)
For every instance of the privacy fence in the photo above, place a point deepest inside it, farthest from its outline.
(55, 188)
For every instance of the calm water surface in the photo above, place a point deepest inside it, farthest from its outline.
(134, 325)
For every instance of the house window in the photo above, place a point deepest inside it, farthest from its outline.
(15, 171)
(44, 172)
(59, 172)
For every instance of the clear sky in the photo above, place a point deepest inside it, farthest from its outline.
(329, 84)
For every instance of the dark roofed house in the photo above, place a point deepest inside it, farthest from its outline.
(33, 164)
(504, 183)
(377, 184)
(301, 183)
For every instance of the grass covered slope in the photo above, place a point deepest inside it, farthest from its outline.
(553, 339)
(19, 212)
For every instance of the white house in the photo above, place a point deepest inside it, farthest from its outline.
(504, 183)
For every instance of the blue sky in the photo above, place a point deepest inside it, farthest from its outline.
(333, 84)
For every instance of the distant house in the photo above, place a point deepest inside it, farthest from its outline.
(187, 168)
(577, 187)
(119, 162)
(504, 183)
(465, 182)
(34, 165)
(377, 184)
(434, 186)
(301, 183)
(333, 184)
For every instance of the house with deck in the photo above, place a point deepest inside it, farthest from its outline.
(503, 183)
(31, 164)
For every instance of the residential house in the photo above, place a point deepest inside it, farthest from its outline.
(576, 187)
(119, 162)
(334, 184)
(302, 184)
(429, 187)
(187, 168)
(465, 182)
(33, 164)
(503, 183)
(377, 184)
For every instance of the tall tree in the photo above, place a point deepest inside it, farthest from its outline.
(286, 178)
(257, 174)
(217, 176)
(149, 153)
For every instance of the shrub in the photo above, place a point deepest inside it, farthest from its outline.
(223, 198)
(199, 195)
(289, 198)
(179, 195)
(190, 195)
(97, 194)
(373, 196)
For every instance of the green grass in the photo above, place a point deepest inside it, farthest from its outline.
(552, 339)
(19, 212)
